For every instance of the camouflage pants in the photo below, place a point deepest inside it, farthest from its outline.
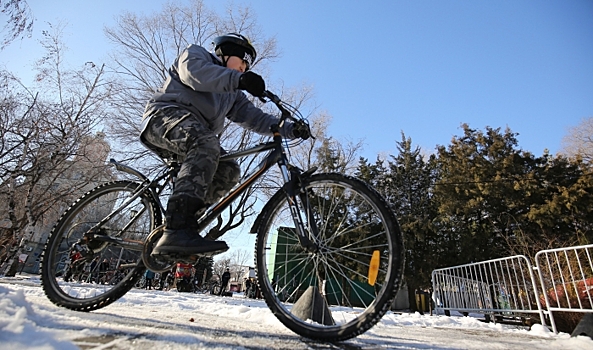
(173, 131)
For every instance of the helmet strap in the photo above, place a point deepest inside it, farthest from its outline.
(222, 57)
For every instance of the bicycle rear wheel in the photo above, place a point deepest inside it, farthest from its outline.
(132, 221)
(344, 288)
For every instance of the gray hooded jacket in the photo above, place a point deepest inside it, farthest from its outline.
(200, 83)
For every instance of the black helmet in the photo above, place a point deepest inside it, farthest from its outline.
(234, 44)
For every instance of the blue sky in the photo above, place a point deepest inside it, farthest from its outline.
(382, 67)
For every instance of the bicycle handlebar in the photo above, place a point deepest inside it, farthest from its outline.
(287, 111)
(271, 96)
(286, 114)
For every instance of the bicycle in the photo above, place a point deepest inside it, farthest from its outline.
(209, 287)
(325, 242)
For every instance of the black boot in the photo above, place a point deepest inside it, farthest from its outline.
(181, 238)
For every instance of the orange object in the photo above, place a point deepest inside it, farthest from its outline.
(374, 268)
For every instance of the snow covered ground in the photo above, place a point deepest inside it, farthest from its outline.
(171, 320)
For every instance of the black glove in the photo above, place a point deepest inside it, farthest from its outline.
(252, 83)
(300, 129)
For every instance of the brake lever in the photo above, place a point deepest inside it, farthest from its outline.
(276, 100)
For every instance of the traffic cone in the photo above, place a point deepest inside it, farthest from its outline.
(311, 305)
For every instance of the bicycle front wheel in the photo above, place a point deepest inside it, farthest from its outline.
(344, 287)
(116, 264)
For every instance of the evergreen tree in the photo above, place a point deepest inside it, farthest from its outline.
(557, 197)
(477, 189)
(406, 181)
(410, 184)
(498, 201)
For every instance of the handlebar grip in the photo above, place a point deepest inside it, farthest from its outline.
(265, 95)
(270, 95)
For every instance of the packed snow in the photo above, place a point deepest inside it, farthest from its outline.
(173, 320)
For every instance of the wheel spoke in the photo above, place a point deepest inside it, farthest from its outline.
(354, 223)
(86, 263)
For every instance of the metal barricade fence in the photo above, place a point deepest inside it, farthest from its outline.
(504, 286)
(566, 276)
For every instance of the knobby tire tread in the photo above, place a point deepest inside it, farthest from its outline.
(49, 283)
(394, 282)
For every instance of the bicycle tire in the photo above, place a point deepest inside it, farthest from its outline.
(354, 222)
(126, 264)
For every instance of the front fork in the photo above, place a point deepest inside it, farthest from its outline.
(294, 189)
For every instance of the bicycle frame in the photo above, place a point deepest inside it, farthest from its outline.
(349, 254)
(291, 176)
(276, 155)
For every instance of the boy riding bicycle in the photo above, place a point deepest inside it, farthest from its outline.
(184, 118)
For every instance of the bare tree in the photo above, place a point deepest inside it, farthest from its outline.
(20, 20)
(236, 262)
(48, 154)
(240, 257)
(578, 142)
